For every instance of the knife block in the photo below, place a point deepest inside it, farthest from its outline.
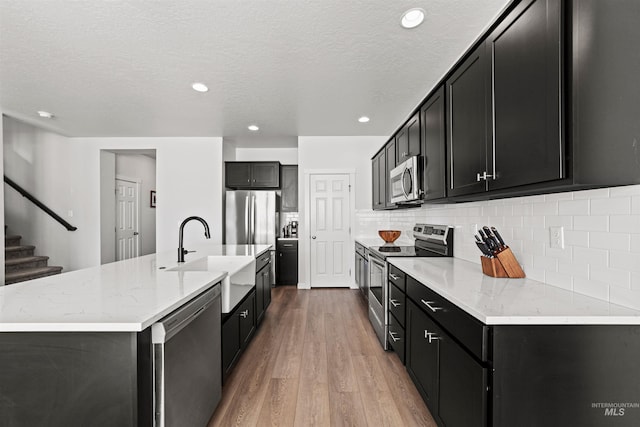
(504, 264)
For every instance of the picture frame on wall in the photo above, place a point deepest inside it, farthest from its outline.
(153, 199)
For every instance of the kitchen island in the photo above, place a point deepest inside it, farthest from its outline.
(75, 349)
(513, 351)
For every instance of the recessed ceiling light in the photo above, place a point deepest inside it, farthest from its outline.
(200, 87)
(363, 119)
(253, 128)
(412, 18)
(45, 114)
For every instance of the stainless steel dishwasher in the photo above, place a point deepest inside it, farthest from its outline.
(187, 362)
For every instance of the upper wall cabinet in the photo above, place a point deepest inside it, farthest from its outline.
(379, 180)
(408, 140)
(289, 199)
(248, 175)
(432, 123)
(467, 124)
(390, 150)
(505, 105)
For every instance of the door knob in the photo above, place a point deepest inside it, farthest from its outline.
(313, 237)
(135, 233)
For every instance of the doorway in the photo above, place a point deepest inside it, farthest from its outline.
(329, 229)
(127, 204)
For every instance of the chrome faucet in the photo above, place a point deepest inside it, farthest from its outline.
(181, 250)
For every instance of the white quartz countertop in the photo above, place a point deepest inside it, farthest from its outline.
(122, 296)
(496, 301)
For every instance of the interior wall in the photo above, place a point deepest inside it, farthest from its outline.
(333, 152)
(38, 161)
(286, 156)
(142, 168)
(601, 257)
(189, 182)
(2, 197)
(107, 207)
(65, 174)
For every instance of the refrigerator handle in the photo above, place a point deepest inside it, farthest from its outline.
(247, 222)
(253, 220)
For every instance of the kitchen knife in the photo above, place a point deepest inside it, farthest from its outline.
(484, 249)
(487, 241)
(498, 236)
(492, 238)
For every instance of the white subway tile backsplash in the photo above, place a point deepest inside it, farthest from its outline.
(559, 280)
(611, 276)
(590, 256)
(601, 230)
(600, 193)
(591, 288)
(625, 261)
(625, 297)
(573, 207)
(591, 223)
(625, 223)
(613, 241)
(611, 206)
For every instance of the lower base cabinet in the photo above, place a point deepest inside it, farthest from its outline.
(238, 328)
(520, 375)
(451, 382)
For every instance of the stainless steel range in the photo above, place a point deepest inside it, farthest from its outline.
(430, 241)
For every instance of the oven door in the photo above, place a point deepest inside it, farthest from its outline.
(404, 181)
(378, 298)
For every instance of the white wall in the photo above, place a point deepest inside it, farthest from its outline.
(142, 168)
(286, 156)
(38, 161)
(2, 199)
(602, 236)
(189, 182)
(107, 207)
(334, 152)
(65, 174)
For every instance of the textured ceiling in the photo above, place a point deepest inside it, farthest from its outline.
(124, 68)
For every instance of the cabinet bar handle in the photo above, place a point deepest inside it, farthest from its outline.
(393, 276)
(288, 245)
(428, 304)
(393, 337)
(394, 303)
(483, 177)
(244, 314)
(431, 336)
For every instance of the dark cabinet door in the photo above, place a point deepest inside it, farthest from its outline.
(408, 139)
(265, 174)
(525, 51)
(462, 381)
(247, 316)
(287, 264)
(421, 354)
(390, 153)
(432, 117)
(396, 337)
(467, 93)
(289, 196)
(237, 174)
(266, 289)
(379, 180)
(263, 291)
(230, 342)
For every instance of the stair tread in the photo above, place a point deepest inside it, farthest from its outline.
(24, 260)
(27, 272)
(18, 248)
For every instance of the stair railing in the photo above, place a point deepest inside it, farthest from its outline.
(39, 204)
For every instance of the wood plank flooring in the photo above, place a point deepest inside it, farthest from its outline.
(315, 361)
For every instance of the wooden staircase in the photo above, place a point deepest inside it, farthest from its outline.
(21, 264)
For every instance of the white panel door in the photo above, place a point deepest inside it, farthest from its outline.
(127, 230)
(330, 230)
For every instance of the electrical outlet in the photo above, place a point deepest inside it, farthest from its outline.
(70, 214)
(556, 237)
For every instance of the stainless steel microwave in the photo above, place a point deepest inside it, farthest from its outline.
(404, 180)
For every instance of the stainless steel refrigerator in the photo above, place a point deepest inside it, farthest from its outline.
(251, 218)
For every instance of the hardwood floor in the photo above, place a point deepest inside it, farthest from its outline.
(315, 361)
